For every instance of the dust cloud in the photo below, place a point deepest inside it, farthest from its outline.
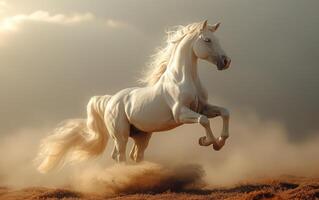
(255, 149)
(145, 177)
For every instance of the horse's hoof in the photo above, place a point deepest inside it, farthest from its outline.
(201, 141)
(220, 143)
(216, 147)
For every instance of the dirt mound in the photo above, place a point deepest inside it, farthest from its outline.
(291, 188)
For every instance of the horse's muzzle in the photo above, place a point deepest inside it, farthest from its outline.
(223, 63)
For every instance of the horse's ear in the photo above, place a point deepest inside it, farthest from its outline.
(214, 27)
(204, 25)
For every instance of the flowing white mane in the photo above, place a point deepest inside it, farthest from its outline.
(159, 61)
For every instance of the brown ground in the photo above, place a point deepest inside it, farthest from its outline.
(280, 188)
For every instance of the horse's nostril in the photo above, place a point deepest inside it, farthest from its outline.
(225, 61)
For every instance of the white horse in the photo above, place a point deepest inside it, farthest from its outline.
(173, 96)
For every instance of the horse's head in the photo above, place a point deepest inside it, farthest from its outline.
(206, 46)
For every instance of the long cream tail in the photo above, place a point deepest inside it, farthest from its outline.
(72, 142)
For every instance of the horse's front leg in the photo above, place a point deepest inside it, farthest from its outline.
(183, 114)
(212, 111)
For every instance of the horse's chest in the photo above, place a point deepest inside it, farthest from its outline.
(192, 99)
(197, 104)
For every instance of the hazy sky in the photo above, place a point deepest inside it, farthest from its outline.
(55, 55)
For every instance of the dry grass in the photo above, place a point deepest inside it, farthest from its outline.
(279, 188)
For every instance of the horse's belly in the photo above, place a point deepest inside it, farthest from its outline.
(153, 120)
(150, 114)
(153, 124)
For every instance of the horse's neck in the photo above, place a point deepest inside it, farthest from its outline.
(182, 67)
(183, 64)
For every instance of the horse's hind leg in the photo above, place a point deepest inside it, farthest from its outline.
(119, 130)
(114, 153)
(133, 150)
(141, 140)
(120, 142)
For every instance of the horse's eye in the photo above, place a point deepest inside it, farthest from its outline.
(207, 40)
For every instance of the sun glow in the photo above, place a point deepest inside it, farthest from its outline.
(3, 6)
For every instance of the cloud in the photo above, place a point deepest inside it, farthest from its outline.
(115, 24)
(12, 23)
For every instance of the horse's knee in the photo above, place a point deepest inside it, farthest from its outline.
(203, 120)
(224, 112)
